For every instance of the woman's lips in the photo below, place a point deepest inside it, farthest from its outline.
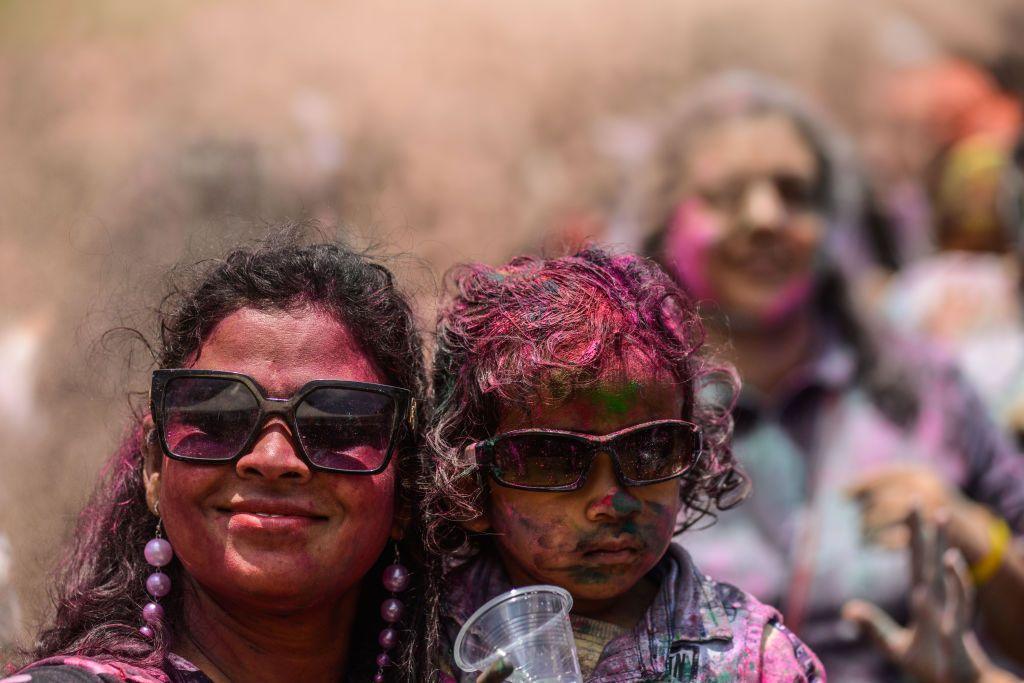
(270, 516)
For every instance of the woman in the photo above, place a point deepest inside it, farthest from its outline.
(843, 430)
(268, 492)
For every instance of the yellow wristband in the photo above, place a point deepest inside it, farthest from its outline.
(999, 539)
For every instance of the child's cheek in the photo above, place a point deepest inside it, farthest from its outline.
(539, 533)
(656, 527)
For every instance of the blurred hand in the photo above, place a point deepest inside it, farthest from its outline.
(887, 498)
(496, 673)
(938, 646)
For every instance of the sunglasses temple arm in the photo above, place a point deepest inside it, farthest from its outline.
(413, 414)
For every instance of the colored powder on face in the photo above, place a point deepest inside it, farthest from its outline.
(791, 299)
(691, 235)
(625, 504)
(588, 575)
(618, 402)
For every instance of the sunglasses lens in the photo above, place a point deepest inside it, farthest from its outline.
(541, 460)
(346, 430)
(207, 418)
(656, 452)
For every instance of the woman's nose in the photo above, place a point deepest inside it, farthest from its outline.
(763, 208)
(607, 499)
(274, 455)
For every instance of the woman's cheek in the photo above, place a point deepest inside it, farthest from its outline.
(187, 523)
(692, 235)
(368, 509)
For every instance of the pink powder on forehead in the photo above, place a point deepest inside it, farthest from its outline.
(691, 235)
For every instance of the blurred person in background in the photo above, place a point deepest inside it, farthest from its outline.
(842, 427)
(966, 297)
(920, 112)
(249, 526)
(10, 611)
(21, 423)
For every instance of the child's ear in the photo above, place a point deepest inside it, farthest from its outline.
(152, 464)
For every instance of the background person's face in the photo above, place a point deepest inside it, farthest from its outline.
(331, 528)
(599, 541)
(748, 230)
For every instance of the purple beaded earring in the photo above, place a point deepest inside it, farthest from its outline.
(158, 554)
(396, 580)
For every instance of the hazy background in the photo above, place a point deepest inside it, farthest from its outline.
(136, 135)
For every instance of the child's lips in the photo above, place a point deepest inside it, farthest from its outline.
(624, 556)
(616, 551)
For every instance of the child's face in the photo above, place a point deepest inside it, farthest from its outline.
(599, 541)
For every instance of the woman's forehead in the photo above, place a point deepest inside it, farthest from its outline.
(282, 350)
(749, 144)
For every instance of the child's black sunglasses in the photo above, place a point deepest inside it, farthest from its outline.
(210, 416)
(555, 460)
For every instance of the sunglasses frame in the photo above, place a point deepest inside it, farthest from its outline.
(483, 453)
(404, 417)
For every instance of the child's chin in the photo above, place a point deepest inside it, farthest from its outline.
(590, 584)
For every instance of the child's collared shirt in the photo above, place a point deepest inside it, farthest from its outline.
(696, 630)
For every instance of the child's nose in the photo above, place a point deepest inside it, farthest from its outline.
(608, 500)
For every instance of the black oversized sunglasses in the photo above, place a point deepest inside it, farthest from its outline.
(210, 416)
(555, 460)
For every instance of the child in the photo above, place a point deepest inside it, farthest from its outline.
(568, 444)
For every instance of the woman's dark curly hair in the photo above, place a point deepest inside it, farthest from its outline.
(536, 327)
(100, 589)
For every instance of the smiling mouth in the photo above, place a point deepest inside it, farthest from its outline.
(272, 515)
(275, 523)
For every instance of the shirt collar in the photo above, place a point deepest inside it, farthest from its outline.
(698, 614)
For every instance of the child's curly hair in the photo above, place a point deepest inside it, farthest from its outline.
(537, 327)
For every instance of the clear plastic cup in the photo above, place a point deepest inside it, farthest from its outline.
(527, 627)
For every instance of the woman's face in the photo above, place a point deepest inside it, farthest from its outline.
(599, 541)
(747, 232)
(267, 531)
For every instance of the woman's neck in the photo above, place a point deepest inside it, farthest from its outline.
(766, 356)
(231, 643)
